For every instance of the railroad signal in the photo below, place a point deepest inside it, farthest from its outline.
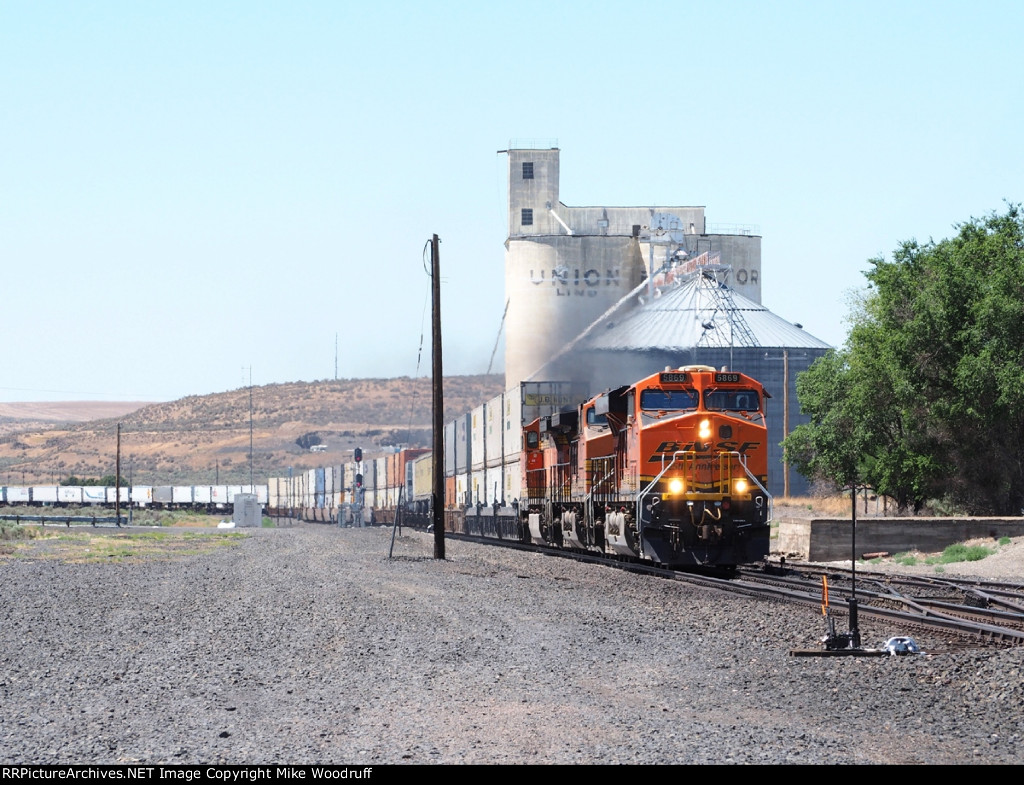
(358, 455)
(359, 481)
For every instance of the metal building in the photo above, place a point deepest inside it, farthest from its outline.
(694, 318)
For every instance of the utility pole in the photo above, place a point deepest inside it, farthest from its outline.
(117, 479)
(785, 419)
(252, 488)
(438, 400)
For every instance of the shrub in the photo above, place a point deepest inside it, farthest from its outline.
(960, 552)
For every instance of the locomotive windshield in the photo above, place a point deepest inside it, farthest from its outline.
(668, 400)
(732, 400)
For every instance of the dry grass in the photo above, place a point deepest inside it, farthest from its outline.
(113, 547)
(837, 506)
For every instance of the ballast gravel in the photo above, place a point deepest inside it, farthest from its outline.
(308, 644)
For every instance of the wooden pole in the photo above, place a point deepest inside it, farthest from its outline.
(117, 479)
(437, 497)
(785, 420)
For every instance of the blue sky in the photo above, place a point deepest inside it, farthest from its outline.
(190, 190)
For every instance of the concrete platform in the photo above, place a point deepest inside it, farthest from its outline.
(829, 539)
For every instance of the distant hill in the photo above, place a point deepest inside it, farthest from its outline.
(205, 439)
(40, 414)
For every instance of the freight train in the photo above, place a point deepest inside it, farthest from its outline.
(209, 498)
(671, 469)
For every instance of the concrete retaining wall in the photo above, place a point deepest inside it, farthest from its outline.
(821, 539)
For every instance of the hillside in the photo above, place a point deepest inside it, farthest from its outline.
(205, 439)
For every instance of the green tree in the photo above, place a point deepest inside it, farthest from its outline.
(926, 400)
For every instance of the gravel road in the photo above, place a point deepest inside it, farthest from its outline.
(306, 644)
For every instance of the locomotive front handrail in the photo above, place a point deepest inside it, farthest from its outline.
(645, 491)
(740, 459)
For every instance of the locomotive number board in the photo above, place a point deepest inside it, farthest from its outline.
(674, 378)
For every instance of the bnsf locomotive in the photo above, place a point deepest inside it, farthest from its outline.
(671, 469)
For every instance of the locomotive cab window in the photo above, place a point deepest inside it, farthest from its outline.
(532, 440)
(594, 419)
(732, 400)
(668, 400)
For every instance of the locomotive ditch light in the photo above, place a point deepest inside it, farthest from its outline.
(675, 485)
(740, 486)
(704, 430)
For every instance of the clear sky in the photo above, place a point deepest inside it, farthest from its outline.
(190, 190)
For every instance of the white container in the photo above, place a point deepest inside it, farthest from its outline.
(494, 432)
(94, 494)
(69, 494)
(17, 495)
(45, 494)
(142, 495)
(477, 429)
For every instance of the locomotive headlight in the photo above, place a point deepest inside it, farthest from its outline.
(740, 486)
(704, 430)
(675, 485)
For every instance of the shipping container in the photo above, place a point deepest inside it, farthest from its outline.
(450, 495)
(478, 488)
(275, 497)
(449, 449)
(142, 495)
(513, 482)
(494, 439)
(69, 494)
(477, 430)
(94, 494)
(422, 477)
(380, 481)
(463, 443)
(462, 490)
(513, 425)
(319, 474)
(202, 494)
(111, 495)
(17, 495)
(495, 477)
(542, 398)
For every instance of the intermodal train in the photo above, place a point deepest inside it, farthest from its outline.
(209, 498)
(671, 469)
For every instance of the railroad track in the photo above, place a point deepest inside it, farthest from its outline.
(958, 612)
(958, 609)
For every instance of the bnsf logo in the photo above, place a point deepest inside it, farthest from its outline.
(668, 448)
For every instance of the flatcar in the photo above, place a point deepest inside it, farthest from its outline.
(671, 469)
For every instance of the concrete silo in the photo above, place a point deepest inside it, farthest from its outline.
(566, 266)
